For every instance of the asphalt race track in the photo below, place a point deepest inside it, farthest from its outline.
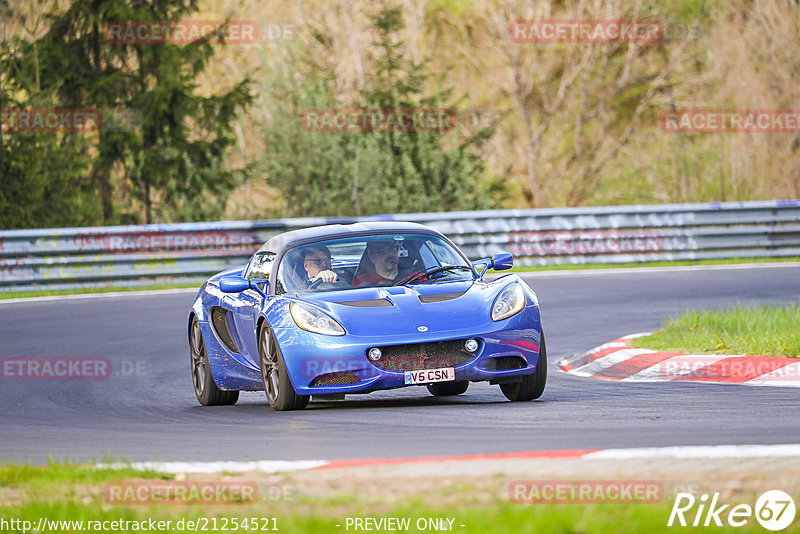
(148, 411)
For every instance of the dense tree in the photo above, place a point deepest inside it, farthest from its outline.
(42, 174)
(171, 157)
(367, 172)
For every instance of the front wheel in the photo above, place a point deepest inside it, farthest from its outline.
(277, 384)
(532, 385)
(446, 389)
(205, 389)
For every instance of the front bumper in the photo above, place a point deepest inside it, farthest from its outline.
(313, 358)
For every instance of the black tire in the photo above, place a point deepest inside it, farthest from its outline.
(205, 389)
(446, 389)
(277, 384)
(532, 385)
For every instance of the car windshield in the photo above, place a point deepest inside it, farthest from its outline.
(370, 261)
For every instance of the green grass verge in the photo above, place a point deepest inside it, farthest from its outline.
(62, 492)
(49, 293)
(756, 330)
(501, 517)
(53, 473)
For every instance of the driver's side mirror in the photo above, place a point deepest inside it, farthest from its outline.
(260, 285)
(233, 284)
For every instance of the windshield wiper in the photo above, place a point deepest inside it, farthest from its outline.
(412, 277)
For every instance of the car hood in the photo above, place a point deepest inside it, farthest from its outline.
(410, 309)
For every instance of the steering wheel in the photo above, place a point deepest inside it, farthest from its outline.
(315, 284)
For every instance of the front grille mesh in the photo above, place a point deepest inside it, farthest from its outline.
(335, 379)
(418, 356)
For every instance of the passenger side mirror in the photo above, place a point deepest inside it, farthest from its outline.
(502, 261)
(499, 262)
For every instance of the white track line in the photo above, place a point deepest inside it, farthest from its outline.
(692, 452)
(276, 466)
(601, 364)
(263, 466)
(675, 368)
(678, 268)
(784, 376)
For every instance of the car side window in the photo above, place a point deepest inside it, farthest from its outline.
(443, 254)
(428, 259)
(261, 266)
(291, 275)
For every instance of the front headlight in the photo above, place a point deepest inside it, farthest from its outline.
(313, 320)
(509, 302)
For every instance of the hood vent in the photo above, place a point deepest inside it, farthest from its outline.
(367, 303)
(440, 297)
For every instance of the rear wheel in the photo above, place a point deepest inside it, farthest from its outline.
(532, 385)
(446, 389)
(205, 389)
(277, 385)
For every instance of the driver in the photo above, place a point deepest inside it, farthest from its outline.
(318, 266)
(383, 259)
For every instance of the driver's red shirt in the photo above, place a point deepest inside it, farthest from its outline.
(374, 278)
(371, 278)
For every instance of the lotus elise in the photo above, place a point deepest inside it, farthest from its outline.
(336, 310)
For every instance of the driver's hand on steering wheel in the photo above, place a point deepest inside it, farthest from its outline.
(328, 276)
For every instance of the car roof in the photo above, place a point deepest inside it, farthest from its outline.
(330, 231)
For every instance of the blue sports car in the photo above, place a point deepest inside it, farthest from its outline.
(345, 309)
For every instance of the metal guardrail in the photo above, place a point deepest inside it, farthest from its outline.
(175, 253)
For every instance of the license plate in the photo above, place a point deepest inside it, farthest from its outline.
(427, 376)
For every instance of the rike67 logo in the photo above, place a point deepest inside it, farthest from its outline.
(774, 510)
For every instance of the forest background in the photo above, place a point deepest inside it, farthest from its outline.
(210, 130)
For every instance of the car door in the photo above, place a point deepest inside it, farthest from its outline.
(246, 306)
(240, 321)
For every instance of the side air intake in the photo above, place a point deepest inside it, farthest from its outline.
(506, 363)
(219, 319)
